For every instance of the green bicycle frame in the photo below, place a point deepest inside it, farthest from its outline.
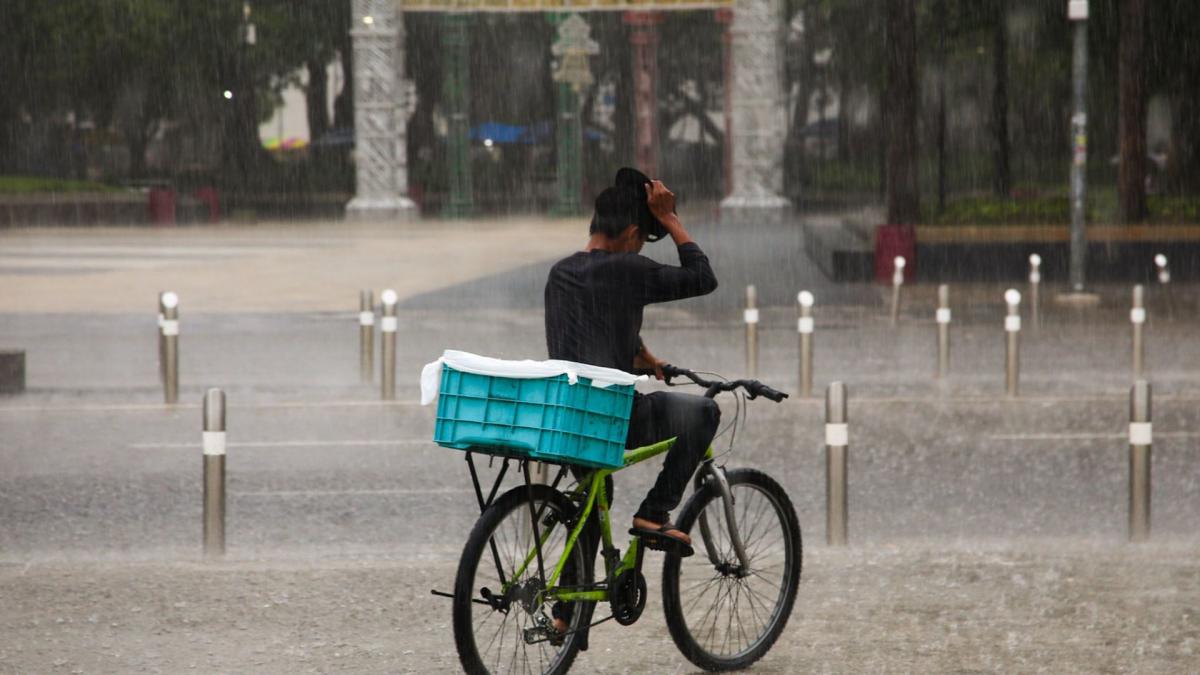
(592, 489)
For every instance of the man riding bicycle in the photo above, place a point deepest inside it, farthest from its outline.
(594, 302)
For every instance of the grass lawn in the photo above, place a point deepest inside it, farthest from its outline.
(26, 184)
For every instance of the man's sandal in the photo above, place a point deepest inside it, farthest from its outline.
(659, 540)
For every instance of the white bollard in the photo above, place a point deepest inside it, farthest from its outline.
(1164, 280)
(1012, 328)
(366, 335)
(751, 318)
(805, 327)
(387, 329)
(170, 336)
(1035, 282)
(942, 316)
(897, 281)
(837, 442)
(213, 437)
(162, 342)
(1141, 440)
(1137, 317)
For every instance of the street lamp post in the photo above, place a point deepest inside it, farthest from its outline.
(1077, 11)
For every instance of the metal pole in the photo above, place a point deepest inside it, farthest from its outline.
(170, 336)
(1035, 282)
(1012, 328)
(1077, 11)
(1164, 280)
(943, 324)
(897, 282)
(162, 342)
(366, 335)
(837, 441)
(751, 316)
(388, 339)
(214, 473)
(806, 346)
(1141, 438)
(1137, 317)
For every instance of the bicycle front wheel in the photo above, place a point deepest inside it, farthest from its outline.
(723, 616)
(501, 619)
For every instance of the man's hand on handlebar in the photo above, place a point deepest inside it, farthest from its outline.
(648, 362)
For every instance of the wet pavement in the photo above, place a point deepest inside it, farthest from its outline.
(988, 534)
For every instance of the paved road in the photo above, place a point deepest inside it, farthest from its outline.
(988, 532)
(1067, 607)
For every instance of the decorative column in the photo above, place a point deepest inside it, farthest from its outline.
(643, 38)
(456, 80)
(572, 73)
(758, 115)
(380, 99)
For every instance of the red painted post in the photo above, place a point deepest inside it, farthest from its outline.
(643, 38)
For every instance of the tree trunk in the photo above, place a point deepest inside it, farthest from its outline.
(343, 103)
(843, 127)
(137, 155)
(243, 155)
(1001, 174)
(316, 96)
(1131, 175)
(903, 199)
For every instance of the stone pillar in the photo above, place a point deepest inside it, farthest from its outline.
(758, 111)
(643, 38)
(380, 120)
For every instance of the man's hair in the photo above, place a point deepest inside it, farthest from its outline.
(616, 209)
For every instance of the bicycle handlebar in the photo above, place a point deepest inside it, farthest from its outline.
(753, 387)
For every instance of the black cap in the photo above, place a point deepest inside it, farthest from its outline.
(646, 222)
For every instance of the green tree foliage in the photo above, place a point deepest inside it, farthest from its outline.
(133, 64)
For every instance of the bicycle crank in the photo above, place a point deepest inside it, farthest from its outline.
(627, 596)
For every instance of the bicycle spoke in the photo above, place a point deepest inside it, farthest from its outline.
(732, 620)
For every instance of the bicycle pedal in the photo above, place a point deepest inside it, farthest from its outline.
(656, 541)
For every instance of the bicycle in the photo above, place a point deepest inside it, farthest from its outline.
(524, 560)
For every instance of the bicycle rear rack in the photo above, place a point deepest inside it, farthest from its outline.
(523, 464)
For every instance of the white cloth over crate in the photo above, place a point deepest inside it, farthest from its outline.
(431, 374)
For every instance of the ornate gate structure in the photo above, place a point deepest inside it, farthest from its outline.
(754, 106)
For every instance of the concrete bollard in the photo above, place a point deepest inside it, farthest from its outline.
(1141, 438)
(805, 328)
(943, 324)
(170, 338)
(897, 281)
(366, 335)
(1012, 329)
(837, 441)
(214, 473)
(1035, 282)
(1164, 281)
(1137, 317)
(387, 329)
(751, 318)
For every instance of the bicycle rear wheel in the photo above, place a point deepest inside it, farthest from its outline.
(721, 616)
(499, 617)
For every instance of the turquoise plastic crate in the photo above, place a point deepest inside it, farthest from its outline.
(548, 418)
